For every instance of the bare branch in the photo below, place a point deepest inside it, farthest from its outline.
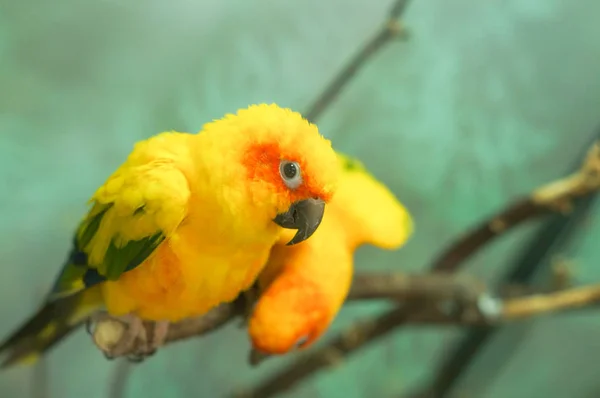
(389, 30)
(406, 287)
(549, 240)
(538, 304)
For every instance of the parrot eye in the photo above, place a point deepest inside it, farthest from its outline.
(290, 173)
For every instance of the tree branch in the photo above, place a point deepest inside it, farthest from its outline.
(406, 287)
(389, 30)
(558, 301)
(550, 239)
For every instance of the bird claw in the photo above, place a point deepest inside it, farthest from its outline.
(137, 341)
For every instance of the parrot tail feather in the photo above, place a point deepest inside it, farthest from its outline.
(54, 321)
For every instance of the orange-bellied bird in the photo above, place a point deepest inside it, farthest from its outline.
(304, 286)
(186, 223)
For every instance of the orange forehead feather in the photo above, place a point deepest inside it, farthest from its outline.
(270, 134)
(262, 161)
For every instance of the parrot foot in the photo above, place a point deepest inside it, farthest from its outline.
(127, 335)
(150, 337)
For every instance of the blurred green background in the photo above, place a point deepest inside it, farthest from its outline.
(487, 100)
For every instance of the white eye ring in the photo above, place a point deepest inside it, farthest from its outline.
(290, 173)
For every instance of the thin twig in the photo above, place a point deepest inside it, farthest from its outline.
(407, 287)
(391, 29)
(518, 212)
(588, 181)
(542, 303)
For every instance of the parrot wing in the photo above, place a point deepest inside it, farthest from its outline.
(132, 214)
(379, 218)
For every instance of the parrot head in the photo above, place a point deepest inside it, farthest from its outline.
(285, 170)
(290, 315)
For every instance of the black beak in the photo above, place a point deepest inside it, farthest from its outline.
(305, 216)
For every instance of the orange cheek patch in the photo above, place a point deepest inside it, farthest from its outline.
(262, 163)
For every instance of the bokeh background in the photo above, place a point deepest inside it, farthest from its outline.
(485, 101)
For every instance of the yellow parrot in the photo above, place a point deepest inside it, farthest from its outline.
(186, 223)
(304, 286)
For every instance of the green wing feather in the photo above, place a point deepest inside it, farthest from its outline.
(118, 234)
(126, 258)
(349, 163)
(77, 274)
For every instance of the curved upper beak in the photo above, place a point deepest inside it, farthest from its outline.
(305, 216)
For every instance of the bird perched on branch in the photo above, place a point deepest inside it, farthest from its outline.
(184, 224)
(303, 287)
